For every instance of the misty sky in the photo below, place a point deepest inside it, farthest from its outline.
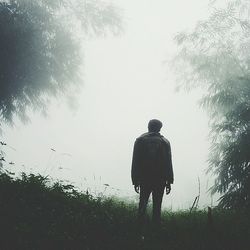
(126, 83)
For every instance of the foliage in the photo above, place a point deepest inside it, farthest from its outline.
(215, 57)
(40, 49)
(37, 213)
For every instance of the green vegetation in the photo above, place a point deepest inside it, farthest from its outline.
(41, 50)
(38, 214)
(214, 56)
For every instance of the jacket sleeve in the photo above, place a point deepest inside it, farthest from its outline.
(135, 171)
(170, 174)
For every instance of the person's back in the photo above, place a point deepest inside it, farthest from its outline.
(152, 160)
(152, 168)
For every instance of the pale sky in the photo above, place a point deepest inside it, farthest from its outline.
(125, 85)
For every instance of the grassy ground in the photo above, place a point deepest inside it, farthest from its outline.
(35, 214)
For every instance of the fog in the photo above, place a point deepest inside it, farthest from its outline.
(127, 82)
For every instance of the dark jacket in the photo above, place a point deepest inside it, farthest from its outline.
(152, 160)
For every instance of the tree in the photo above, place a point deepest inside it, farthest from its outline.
(215, 57)
(40, 49)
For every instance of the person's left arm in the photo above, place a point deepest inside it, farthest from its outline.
(135, 171)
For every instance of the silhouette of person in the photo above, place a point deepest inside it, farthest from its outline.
(152, 170)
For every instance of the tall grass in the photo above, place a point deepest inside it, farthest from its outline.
(36, 213)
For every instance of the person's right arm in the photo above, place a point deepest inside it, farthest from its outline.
(169, 168)
(168, 188)
(170, 176)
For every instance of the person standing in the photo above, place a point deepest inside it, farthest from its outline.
(152, 170)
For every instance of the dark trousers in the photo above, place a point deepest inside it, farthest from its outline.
(157, 191)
